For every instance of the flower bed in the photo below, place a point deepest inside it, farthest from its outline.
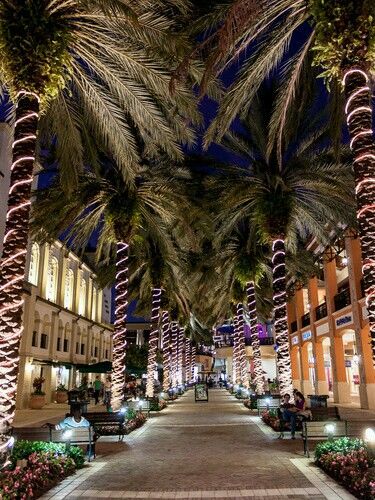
(157, 404)
(270, 418)
(348, 461)
(43, 466)
(133, 423)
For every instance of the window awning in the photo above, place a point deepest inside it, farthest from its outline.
(101, 367)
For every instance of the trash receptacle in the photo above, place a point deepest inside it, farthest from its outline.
(318, 401)
(74, 400)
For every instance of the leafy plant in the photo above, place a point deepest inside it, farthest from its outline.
(23, 449)
(61, 388)
(342, 445)
(37, 384)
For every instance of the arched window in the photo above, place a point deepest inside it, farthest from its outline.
(94, 300)
(82, 298)
(52, 276)
(69, 289)
(34, 264)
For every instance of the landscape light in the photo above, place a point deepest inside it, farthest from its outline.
(330, 429)
(267, 401)
(123, 410)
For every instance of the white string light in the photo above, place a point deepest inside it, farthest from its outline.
(14, 258)
(193, 362)
(119, 334)
(360, 124)
(153, 341)
(165, 328)
(174, 354)
(280, 317)
(255, 343)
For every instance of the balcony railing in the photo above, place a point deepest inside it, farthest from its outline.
(229, 343)
(266, 340)
(321, 311)
(305, 319)
(293, 326)
(342, 299)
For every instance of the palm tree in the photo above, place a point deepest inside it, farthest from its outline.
(336, 37)
(81, 71)
(157, 272)
(166, 332)
(121, 211)
(282, 204)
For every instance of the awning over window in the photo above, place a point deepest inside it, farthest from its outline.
(102, 367)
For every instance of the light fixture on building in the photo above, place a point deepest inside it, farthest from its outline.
(345, 261)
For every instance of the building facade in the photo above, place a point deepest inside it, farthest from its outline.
(328, 328)
(66, 321)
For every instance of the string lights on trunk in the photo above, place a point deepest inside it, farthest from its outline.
(359, 119)
(257, 357)
(174, 353)
(165, 328)
(119, 334)
(244, 379)
(13, 260)
(153, 342)
(280, 318)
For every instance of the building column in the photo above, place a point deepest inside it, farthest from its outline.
(306, 385)
(341, 390)
(296, 372)
(321, 384)
(90, 334)
(362, 335)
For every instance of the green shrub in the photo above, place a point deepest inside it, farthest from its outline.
(23, 449)
(342, 445)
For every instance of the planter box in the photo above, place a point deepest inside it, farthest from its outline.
(37, 401)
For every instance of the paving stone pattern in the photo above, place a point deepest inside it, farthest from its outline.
(200, 450)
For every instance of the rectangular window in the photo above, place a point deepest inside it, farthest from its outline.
(58, 347)
(95, 352)
(43, 341)
(106, 353)
(82, 349)
(34, 341)
(77, 348)
(66, 345)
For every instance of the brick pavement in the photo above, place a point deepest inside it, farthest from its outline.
(200, 450)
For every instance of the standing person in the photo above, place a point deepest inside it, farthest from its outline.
(107, 393)
(97, 387)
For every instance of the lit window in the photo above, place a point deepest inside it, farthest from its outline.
(34, 264)
(53, 270)
(82, 298)
(94, 299)
(69, 288)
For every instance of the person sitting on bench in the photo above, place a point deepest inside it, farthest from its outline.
(285, 405)
(74, 421)
(298, 410)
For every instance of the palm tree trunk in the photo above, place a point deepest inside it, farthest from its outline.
(187, 360)
(119, 335)
(174, 353)
(358, 110)
(153, 342)
(193, 362)
(235, 357)
(280, 317)
(180, 354)
(13, 261)
(165, 328)
(258, 369)
(241, 346)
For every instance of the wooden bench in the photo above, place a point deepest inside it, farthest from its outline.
(143, 406)
(77, 436)
(267, 404)
(32, 433)
(320, 431)
(104, 421)
(325, 413)
(356, 428)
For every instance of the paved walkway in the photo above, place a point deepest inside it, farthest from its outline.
(200, 450)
